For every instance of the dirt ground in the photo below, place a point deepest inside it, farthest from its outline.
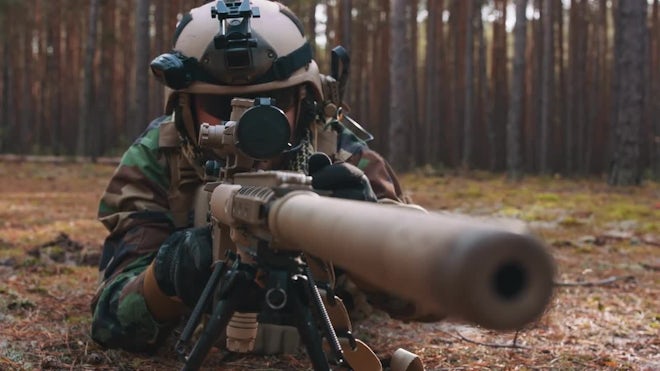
(605, 313)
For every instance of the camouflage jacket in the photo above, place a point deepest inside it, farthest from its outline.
(149, 197)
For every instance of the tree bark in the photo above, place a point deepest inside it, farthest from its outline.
(483, 147)
(141, 107)
(514, 161)
(468, 117)
(6, 79)
(433, 98)
(87, 99)
(547, 85)
(400, 87)
(655, 77)
(630, 52)
(500, 89)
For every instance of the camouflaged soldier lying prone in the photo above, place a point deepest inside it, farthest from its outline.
(155, 263)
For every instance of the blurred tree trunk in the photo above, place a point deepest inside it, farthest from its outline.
(457, 23)
(38, 74)
(580, 86)
(600, 91)
(400, 87)
(434, 96)
(346, 20)
(500, 89)
(378, 116)
(531, 97)
(80, 32)
(140, 119)
(557, 149)
(468, 102)
(157, 47)
(655, 77)
(547, 84)
(514, 161)
(330, 30)
(416, 125)
(106, 132)
(356, 91)
(26, 112)
(54, 77)
(630, 55)
(87, 99)
(570, 147)
(309, 16)
(5, 81)
(484, 142)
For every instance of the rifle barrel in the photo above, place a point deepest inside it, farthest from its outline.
(493, 273)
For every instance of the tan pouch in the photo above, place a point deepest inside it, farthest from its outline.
(403, 360)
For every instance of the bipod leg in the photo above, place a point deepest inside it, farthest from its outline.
(307, 327)
(198, 311)
(219, 319)
(317, 301)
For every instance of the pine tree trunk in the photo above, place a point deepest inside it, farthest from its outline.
(630, 55)
(433, 100)
(547, 85)
(514, 161)
(400, 87)
(484, 145)
(87, 101)
(468, 117)
(500, 89)
(5, 81)
(141, 108)
(655, 68)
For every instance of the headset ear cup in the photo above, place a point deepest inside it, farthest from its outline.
(174, 70)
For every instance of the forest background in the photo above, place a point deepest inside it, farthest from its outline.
(567, 96)
(573, 88)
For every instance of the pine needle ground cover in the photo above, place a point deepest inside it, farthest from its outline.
(605, 313)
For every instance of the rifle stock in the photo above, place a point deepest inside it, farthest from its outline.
(493, 273)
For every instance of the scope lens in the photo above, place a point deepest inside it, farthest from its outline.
(510, 280)
(263, 132)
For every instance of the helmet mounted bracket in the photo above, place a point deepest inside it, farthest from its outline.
(235, 34)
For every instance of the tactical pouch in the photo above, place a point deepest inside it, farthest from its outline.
(323, 130)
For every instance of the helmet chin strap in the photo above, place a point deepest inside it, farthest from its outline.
(300, 152)
(299, 127)
(187, 118)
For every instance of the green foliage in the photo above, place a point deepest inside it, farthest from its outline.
(472, 191)
(570, 221)
(627, 211)
(548, 198)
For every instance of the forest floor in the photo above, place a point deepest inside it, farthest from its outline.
(605, 313)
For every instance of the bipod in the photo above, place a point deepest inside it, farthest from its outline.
(279, 283)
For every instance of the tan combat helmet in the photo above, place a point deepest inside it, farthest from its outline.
(236, 48)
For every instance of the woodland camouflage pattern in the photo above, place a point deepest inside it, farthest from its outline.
(148, 198)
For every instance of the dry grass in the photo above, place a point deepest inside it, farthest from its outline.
(595, 233)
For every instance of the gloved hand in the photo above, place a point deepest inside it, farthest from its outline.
(183, 264)
(343, 179)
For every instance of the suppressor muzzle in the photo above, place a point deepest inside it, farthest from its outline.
(492, 273)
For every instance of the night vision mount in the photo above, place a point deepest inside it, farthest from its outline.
(235, 35)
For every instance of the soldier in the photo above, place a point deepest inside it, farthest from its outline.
(155, 263)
